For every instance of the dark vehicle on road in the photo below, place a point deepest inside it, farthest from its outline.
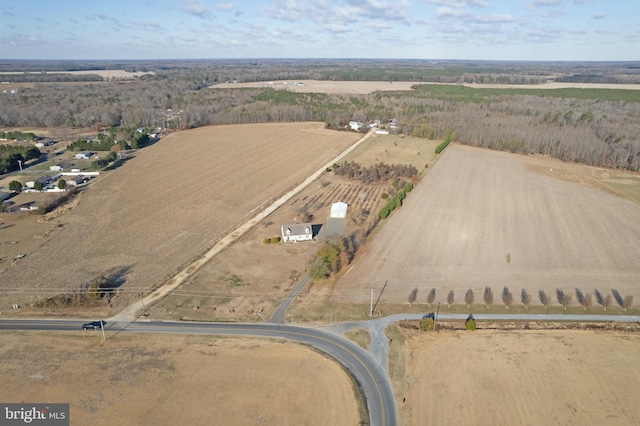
(93, 325)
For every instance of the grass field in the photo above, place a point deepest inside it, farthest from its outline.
(157, 379)
(159, 210)
(483, 218)
(521, 377)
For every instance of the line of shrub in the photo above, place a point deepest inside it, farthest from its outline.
(443, 145)
(395, 201)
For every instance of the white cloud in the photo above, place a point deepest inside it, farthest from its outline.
(494, 19)
(543, 3)
(224, 6)
(192, 7)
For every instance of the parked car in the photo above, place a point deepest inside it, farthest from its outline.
(93, 325)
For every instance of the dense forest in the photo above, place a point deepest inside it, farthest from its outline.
(592, 126)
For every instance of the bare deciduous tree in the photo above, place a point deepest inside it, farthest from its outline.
(587, 301)
(602, 300)
(507, 297)
(450, 298)
(544, 298)
(563, 298)
(469, 298)
(488, 296)
(413, 296)
(627, 302)
(431, 297)
(525, 298)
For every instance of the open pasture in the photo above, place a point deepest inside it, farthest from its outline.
(484, 218)
(158, 211)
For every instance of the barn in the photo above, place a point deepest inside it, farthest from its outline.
(339, 210)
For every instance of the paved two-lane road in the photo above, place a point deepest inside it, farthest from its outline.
(371, 377)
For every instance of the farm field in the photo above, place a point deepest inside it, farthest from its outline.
(156, 212)
(246, 280)
(546, 377)
(134, 379)
(485, 218)
(364, 87)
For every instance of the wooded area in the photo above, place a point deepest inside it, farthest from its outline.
(592, 126)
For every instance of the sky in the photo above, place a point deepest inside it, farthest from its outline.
(537, 30)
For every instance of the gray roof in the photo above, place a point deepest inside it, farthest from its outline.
(298, 229)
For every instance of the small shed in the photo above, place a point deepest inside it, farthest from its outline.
(339, 210)
(297, 232)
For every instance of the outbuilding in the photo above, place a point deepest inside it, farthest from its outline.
(339, 209)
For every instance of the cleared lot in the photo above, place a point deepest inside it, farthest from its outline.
(522, 377)
(484, 218)
(143, 379)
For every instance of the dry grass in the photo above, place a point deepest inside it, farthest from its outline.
(159, 210)
(135, 379)
(359, 336)
(521, 377)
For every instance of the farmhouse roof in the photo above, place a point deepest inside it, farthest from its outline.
(297, 229)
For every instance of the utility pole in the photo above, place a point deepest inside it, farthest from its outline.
(371, 308)
(435, 323)
(20, 164)
(102, 328)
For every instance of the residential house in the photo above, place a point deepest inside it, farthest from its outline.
(297, 232)
(76, 180)
(44, 180)
(355, 125)
(84, 155)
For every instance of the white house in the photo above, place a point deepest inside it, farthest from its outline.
(297, 232)
(55, 168)
(355, 125)
(84, 155)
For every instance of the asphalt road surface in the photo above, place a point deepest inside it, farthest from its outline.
(371, 377)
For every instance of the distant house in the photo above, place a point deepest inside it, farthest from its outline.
(355, 125)
(55, 168)
(44, 180)
(76, 180)
(297, 232)
(42, 144)
(382, 132)
(84, 155)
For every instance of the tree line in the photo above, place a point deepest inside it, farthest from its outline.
(586, 126)
(564, 299)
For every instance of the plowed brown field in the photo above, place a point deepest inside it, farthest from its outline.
(176, 380)
(160, 209)
(483, 218)
(546, 377)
